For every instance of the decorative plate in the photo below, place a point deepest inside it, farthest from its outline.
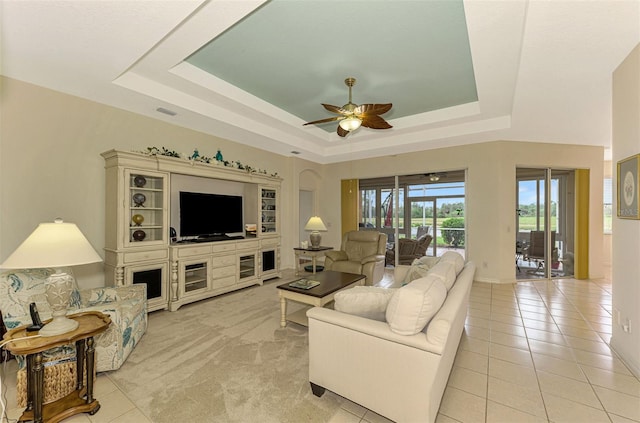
(139, 199)
(139, 181)
(139, 235)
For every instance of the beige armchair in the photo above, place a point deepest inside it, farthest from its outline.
(361, 252)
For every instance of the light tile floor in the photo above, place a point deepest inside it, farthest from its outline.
(530, 352)
(534, 352)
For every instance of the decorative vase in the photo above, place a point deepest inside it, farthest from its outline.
(139, 181)
(139, 235)
(139, 199)
(137, 219)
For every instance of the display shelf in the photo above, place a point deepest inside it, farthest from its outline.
(147, 205)
(268, 211)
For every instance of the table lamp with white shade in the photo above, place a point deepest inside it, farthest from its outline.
(315, 224)
(55, 245)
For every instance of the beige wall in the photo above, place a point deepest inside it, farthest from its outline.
(626, 233)
(50, 163)
(50, 166)
(490, 194)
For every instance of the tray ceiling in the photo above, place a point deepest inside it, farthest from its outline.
(457, 72)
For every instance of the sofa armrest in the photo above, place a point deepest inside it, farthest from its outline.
(336, 255)
(372, 259)
(359, 359)
(369, 327)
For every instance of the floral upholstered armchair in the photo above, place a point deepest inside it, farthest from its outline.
(126, 306)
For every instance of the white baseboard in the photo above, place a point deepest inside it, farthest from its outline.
(634, 367)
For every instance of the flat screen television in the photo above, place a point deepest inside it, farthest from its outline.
(204, 215)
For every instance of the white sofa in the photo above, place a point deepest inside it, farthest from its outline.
(401, 377)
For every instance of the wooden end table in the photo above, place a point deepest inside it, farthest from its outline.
(318, 296)
(81, 400)
(314, 253)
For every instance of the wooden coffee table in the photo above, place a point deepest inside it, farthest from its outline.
(318, 296)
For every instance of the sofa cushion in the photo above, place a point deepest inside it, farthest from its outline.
(446, 272)
(454, 258)
(365, 301)
(413, 305)
(419, 268)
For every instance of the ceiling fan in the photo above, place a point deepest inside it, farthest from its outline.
(352, 115)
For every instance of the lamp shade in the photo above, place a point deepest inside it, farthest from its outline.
(56, 244)
(315, 224)
(350, 124)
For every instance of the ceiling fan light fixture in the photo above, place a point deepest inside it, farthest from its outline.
(434, 177)
(351, 116)
(350, 123)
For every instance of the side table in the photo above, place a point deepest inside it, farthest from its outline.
(314, 253)
(79, 401)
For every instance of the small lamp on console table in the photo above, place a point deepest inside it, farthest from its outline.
(55, 245)
(315, 224)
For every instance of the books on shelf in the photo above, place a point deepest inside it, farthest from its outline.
(304, 283)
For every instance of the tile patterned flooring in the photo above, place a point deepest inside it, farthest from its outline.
(534, 351)
(531, 352)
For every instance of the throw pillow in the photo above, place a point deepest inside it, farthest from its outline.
(454, 258)
(446, 272)
(365, 301)
(413, 305)
(419, 268)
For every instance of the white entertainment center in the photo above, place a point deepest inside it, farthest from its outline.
(142, 215)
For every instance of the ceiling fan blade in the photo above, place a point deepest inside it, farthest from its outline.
(375, 122)
(372, 109)
(342, 132)
(331, 119)
(333, 109)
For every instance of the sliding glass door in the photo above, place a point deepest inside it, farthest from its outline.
(432, 204)
(545, 210)
(423, 220)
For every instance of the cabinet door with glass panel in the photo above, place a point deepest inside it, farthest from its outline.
(197, 276)
(146, 205)
(247, 266)
(269, 211)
